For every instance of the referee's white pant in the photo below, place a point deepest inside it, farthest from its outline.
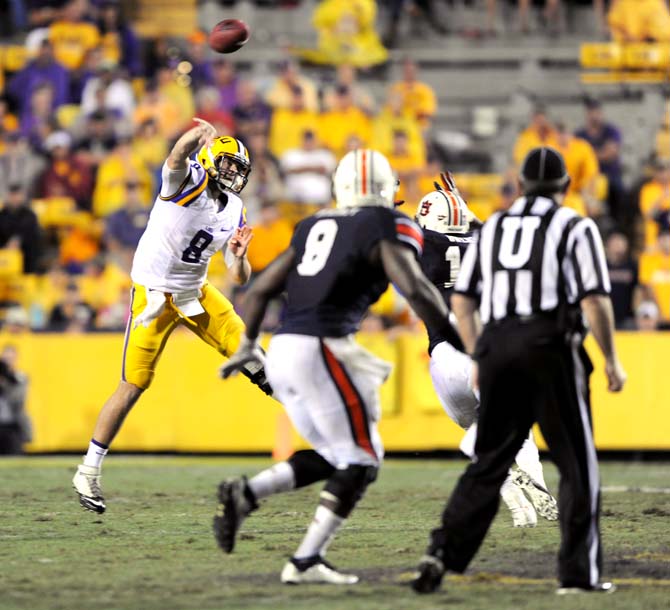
(330, 390)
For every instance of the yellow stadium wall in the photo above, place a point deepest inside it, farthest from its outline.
(189, 409)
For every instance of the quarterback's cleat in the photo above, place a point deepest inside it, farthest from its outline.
(523, 513)
(544, 503)
(314, 570)
(429, 575)
(236, 502)
(601, 587)
(86, 483)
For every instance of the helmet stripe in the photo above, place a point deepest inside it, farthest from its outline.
(446, 198)
(364, 174)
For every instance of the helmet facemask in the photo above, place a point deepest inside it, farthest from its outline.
(230, 172)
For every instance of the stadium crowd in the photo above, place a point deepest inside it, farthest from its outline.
(87, 118)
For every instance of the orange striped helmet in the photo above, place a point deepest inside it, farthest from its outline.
(443, 212)
(364, 177)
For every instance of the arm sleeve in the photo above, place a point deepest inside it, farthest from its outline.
(404, 230)
(584, 265)
(469, 276)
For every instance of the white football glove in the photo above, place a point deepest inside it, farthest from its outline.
(248, 353)
(154, 308)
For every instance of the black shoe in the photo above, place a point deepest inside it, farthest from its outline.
(601, 587)
(430, 573)
(236, 502)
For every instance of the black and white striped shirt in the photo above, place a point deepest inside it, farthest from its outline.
(533, 258)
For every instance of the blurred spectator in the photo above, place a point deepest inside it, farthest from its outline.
(508, 195)
(345, 119)
(655, 273)
(251, 114)
(647, 316)
(89, 69)
(98, 139)
(178, 93)
(346, 76)
(208, 107)
(110, 91)
(605, 139)
(102, 282)
(37, 118)
(16, 320)
(19, 165)
(78, 246)
(639, 20)
(227, 83)
(308, 171)
(288, 124)
(19, 228)
(396, 9)
(157, 107)
(43, 69)
(623, 273)
(395, 117)
(655, 199)
(72, 314)
(15, 425)
(150, 145)
(66, 175)
(407, 166)
(265, 184)
(282, 92)
(272, 235)
(122, 166)
(346, 34)
(115, 316)
(418, 98)
(118, 41)
(202, 73)
(540, 132)
(582, 166)
(72, 36)
(124, 227)
(8, 121)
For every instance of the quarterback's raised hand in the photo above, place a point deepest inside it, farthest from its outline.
(207, 131)
(239, 242)
(248, 352)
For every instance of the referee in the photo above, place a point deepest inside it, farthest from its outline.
(534, 271)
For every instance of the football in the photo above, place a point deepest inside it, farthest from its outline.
(228, 36)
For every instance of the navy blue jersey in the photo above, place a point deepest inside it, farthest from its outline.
(441, 262)
(335, 277)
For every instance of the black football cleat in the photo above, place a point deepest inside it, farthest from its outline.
(236, 502)
(429, 577)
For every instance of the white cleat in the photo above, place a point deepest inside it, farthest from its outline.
(523, 513)
(317, 570)
(545, 504)
(601, 587)
(86, 483)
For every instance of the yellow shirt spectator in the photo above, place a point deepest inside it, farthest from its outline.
(655, 273)
(345, 120)
(639, 20)
(272, 235)
(110, 183)
(163, 111)
(71, 41)
(282, 91)
(347, 35)
(531, 138)
(418, 99)
(654, 198)
(391, 119)
(287, 127)
(408, 167)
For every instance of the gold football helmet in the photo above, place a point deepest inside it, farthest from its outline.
(226, 161)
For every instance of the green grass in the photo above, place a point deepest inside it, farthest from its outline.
(153, 549)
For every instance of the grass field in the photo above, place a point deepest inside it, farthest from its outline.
(153, 549)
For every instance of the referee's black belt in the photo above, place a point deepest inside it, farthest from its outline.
(543, 317)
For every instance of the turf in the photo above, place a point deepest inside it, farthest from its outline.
(153, 549)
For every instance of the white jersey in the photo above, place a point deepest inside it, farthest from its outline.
(186, 228)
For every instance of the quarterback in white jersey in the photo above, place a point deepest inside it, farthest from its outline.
(197, 213)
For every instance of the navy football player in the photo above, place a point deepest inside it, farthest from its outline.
(339, 262)
(446, 222)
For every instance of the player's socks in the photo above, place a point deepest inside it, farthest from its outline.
(95, 454)
(319, 534)
(274, 480)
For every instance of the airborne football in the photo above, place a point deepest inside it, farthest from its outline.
(369, 295)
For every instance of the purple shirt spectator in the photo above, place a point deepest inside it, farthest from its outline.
(251, 113)
(605, 139)
(43, 69)
(227, 83)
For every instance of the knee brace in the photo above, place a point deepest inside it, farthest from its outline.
(346, 487)
(255, 372)
(309, 467)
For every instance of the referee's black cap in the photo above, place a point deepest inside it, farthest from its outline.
(543, 172)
